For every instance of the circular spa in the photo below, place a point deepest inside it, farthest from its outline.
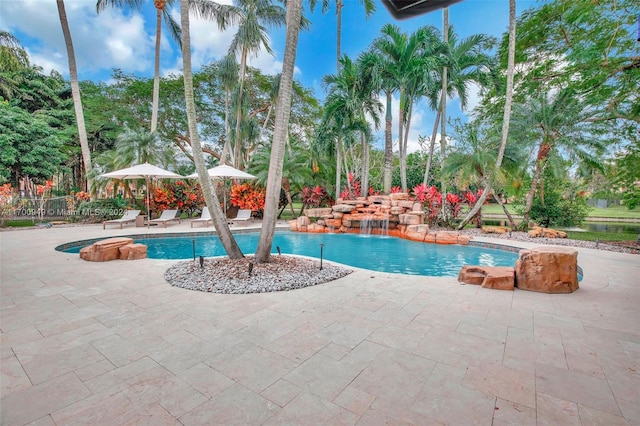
(376, 253)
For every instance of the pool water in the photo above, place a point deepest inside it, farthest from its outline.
(377, 253)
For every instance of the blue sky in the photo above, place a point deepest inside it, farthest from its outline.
(125, 39)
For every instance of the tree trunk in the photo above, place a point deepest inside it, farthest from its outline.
(156, 73)
(388, 147)
(532, 191)
(274, 180)
(405, 140)
(237, 147)
(365, 164)
(219, 221)
(511, 61)
(443, 118)
(338, 166)
(401, 151)
(338, 33)
(75, 92)
(286, 186)
(432, 144)
(227, 131)
(512, 222)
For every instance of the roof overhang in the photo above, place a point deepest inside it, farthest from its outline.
(403, 9)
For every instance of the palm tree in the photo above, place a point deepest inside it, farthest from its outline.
(507, 110)
(559, 125)
(253, 17)
(135, 147)
(272, 198)
(174, 30)
(219, 221)
(296, 170)
(228, 76)
(369, 9)
(75, 90)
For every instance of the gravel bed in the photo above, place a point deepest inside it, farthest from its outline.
(223, 275)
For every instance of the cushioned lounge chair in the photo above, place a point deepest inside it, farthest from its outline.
(242, 216)
(129, 216)
(167, 216)
(204, 218)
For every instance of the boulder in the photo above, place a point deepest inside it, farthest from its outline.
(538, 232)
(406, 204)
(496, 277)
(318, 212)
(133, 252)
(337, 215)
(293, 225)
(430, 237)
(410, 219)
(316, 227)
(104, 250)
(495, 229)
(447, 237)
(464, 240)
(303, 223)
(378, 199)
(399, 196)
(417, 207)
(343, 208)
(548, 269)
(397, 210)
(333, 223)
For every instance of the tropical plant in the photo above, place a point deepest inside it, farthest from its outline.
(248, 196)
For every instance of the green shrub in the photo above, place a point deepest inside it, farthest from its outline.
(559, 211)
(103, 209)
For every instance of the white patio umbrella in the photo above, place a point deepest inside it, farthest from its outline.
(224, 172)
(144, 171)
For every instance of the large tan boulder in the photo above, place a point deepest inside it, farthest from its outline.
(318, 212)
(447, 237)
(495, 229)
(410, 219)
(303, 222)
(316, 227)
(293, 225)
(496, 277)
(104, 250)
(548, 269)
(416, 232)
(406, 204)
(344, 208)
(538, 232)
(133, 251)
(397, 196)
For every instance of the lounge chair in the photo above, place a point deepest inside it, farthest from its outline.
(205, 217)
(242, 216)
(129, 216)
(167, 216)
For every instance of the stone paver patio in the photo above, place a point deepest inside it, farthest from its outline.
(113, 343)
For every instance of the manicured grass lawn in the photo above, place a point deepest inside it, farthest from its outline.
(602, 236)
(617, 212)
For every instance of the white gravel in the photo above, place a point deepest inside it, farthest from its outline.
(223, 275)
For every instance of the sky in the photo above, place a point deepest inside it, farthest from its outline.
(125, 39)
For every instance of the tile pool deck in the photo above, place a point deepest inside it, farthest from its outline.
(112, 343)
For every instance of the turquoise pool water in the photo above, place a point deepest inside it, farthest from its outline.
(377, 253)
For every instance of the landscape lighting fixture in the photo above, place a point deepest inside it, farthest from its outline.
(403, 9)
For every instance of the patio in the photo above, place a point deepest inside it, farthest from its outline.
(113, 343)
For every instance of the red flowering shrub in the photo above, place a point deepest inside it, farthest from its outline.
(6, 202)
(353, 190)
(177, 195)
(431, 198)
(396, 189)
(248, 197)
(315, 197)
(454, 204)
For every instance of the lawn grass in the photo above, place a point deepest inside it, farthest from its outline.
(22, 223)
(602, 236)
(614, 212)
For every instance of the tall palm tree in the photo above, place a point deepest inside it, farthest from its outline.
(507, 110)
(228, 76)
(75, 90)
(369, 9)
(135, 147)
(272, 198)
(559, 125)
(253, 18)
(174, 30)
(219, 220)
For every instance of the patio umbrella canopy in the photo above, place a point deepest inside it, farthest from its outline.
(221, 172)
(143, 171)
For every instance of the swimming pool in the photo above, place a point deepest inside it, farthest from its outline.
(377, 253)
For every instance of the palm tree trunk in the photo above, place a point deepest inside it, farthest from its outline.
(338, 166)
(443, 118)
(75, 92)
(274, 181)
(286, 186)
(365, 164)
(237, 148)
(156, 70)
(388, 147)
(402, 153)
(405, 139)
(507, 111)
(219, 221)
(432, 144)
(512, 222)
(532, 191)
(227, 131)
(338, 33)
